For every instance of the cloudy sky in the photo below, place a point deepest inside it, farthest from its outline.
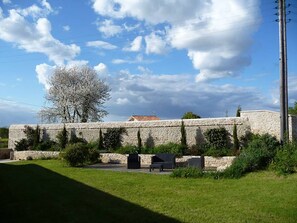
(159, 57)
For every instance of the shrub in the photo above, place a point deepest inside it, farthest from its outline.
(76, 154)
(217, 142)
(4, 132)
(93, 156)
(62, 138)
(257, 156)
(187, 172)
(74, 139)
(21, 145)
(285, 160)
(235, 140)
(174, 148)
(113, 138)
(217, 137)
(4, 143)
(128, 149)
(100, 141)
(139, 141)
(45, 145)
(183, 140)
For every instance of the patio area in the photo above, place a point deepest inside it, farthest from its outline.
(123, 168)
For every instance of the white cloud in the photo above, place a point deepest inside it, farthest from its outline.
(155, 44)
(170, 95)
(101, 69)
(135, 46)
(36, 11)
(101, 45)
(137, 59)
(78, 63)
(66, 28)
(44, 72)
(35, 36)
(108, 28)
(6, 2)
(216, 34)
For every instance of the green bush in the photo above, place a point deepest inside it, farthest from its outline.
(128, 149)
(217, 143)
(45, 145)
(217, 137)
(217, 152)
(113, 138)
(93, 156)
(74, 139)
(62, 138)
(21, 145)
(4, 132)
(256, 156)
(76, 154)
(174, 148)
(285, 160)
(187, 172)
(79, 154)
(4, 143)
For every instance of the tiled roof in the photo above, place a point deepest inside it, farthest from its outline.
(143, 118)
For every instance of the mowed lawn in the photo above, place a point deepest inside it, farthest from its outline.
(48, 191)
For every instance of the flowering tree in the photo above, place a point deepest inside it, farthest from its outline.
(75, 95)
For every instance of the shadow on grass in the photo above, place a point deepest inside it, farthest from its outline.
(30, 193)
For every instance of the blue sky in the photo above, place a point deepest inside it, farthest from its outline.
(159, 57)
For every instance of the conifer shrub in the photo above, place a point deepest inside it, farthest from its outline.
(113, 138)
(62, 138)
(285, 160)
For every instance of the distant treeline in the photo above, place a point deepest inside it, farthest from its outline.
(4, 132)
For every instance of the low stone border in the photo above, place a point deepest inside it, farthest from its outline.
(32, 154)
(219, 163)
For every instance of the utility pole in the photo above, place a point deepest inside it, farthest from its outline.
(284, 127)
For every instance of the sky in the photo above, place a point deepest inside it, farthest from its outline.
(159, 57)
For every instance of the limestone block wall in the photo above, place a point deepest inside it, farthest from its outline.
(152, 132)
(262, 122)
(24, 155)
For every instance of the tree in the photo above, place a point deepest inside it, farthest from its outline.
(293, 110)
(190, 115)
(75, 95)
(238, 111)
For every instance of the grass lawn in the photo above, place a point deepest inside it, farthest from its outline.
(47, 191)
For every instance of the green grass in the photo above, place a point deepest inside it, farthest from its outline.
(47, 191)
(3, 142)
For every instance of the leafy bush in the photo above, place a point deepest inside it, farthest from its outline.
(4, 132)
(79, 154)
(217, 142)
(45, 145)
(4, 143)
(74, 139)
(258, 154)
(174, 148)
(62, 138)
(21, 145)
(187, 172)
(76, 154)
(216, 152)
(217, 137)
(128, 149)
(93, 156)
(113, 138)
(285, 160)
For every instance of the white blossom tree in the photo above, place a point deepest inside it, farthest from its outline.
(76, 94)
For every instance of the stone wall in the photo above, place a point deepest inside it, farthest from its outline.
(262, 122)
(25, 155)
(210, 162)
(151, 132)
(164, 131)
